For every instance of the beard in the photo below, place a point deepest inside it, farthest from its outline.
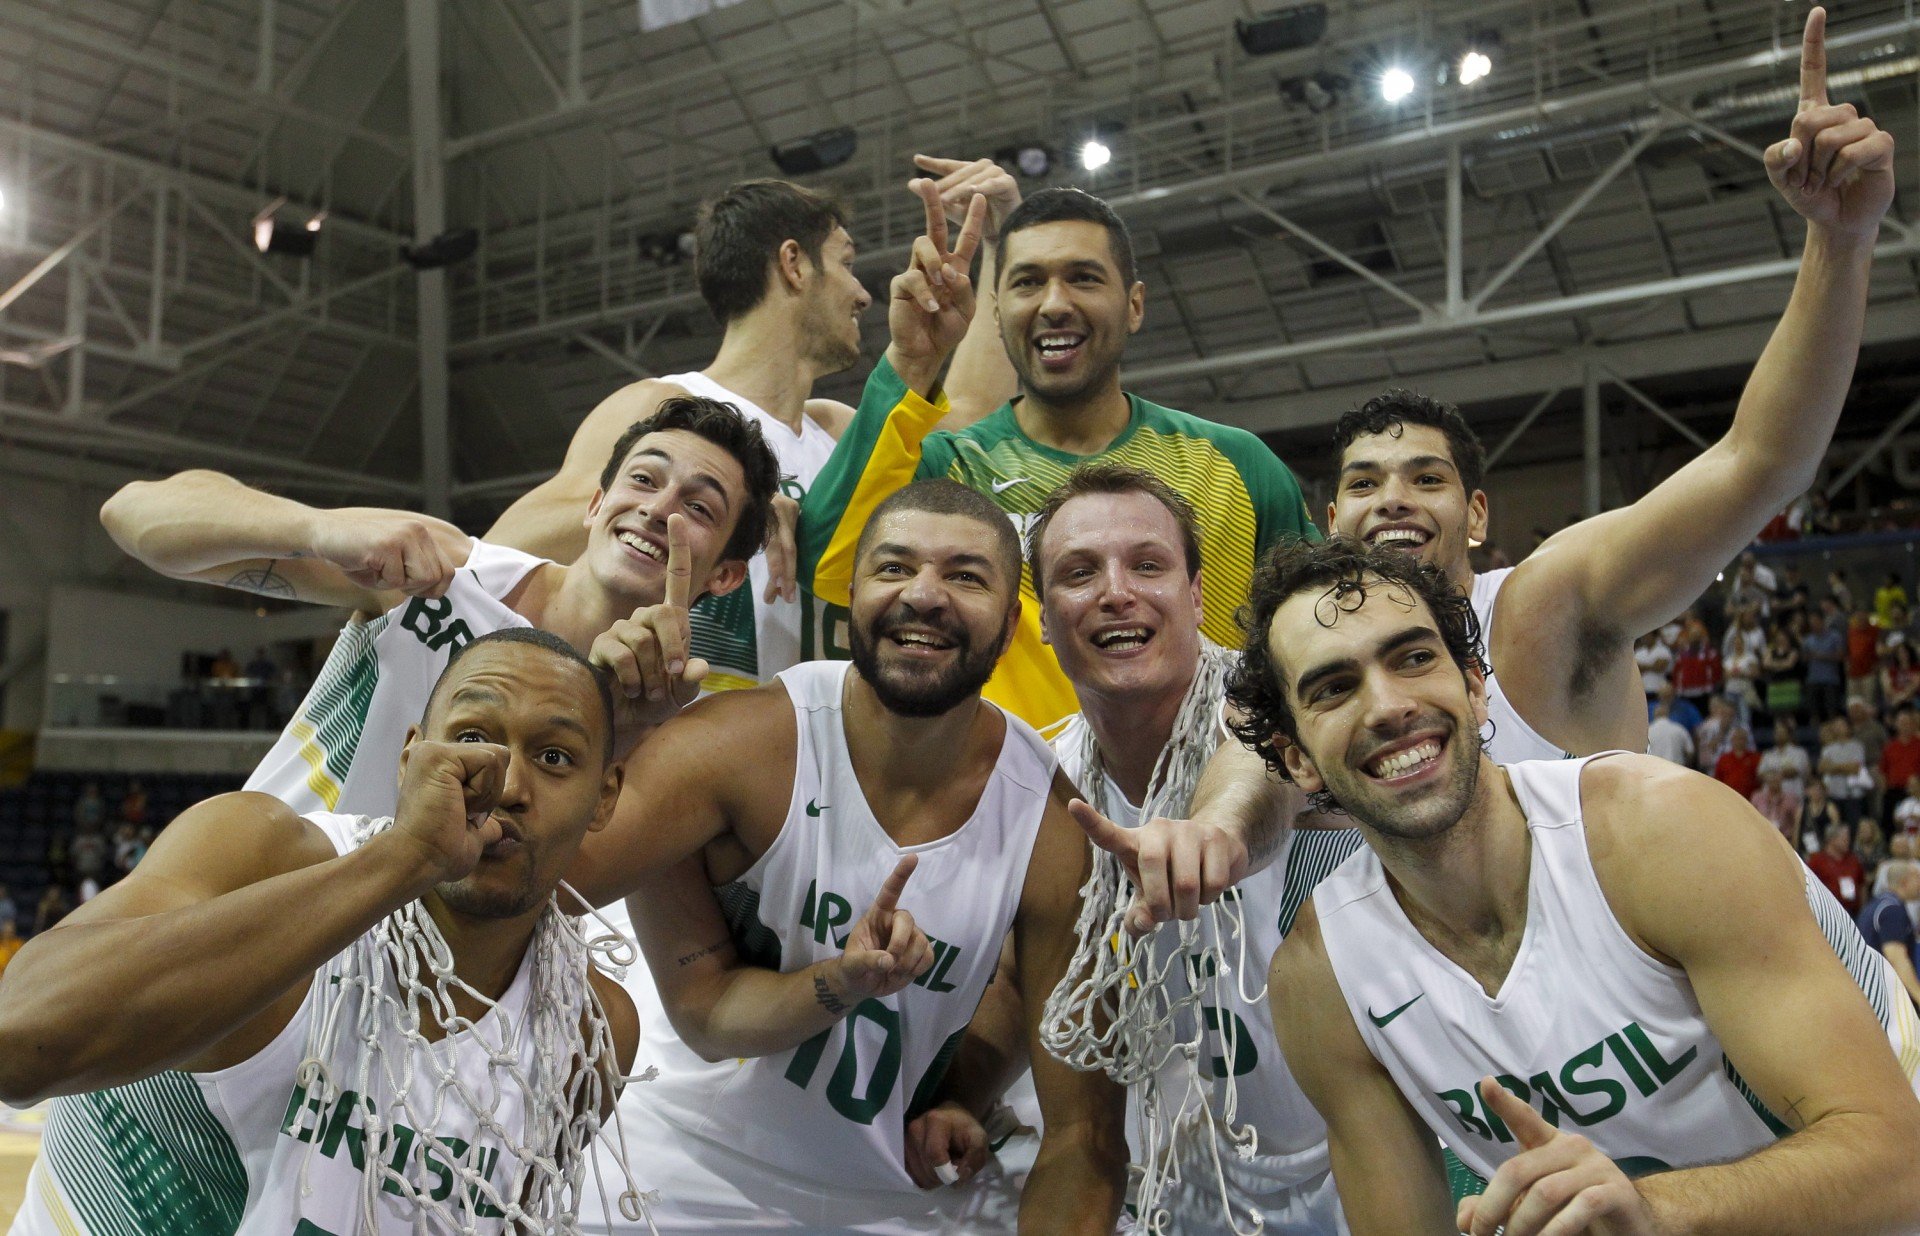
(1431, 814)
(1059, 388)
(923, 691)
(472, 899)
(828, 345)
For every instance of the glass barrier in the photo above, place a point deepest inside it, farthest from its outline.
(106, 701)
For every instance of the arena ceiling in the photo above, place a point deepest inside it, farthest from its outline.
(1595, 206)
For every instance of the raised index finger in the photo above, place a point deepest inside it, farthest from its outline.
(1813, 61)
(1517, 1113)
(888, 898)
(679, 564)
(936, 213)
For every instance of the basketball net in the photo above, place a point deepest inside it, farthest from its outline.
(555, 1060)
(1120, 1009)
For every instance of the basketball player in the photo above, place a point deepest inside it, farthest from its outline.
(747, 870)
(228, 1026)
(1560, 626)
(682, 505)
(774, 264)
(1663, 1026)
(1067, 301)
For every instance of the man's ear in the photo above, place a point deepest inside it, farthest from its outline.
(1477, 518)
(1199, 594)
(1013, 626)
(593, 508)
(406, 750)
(1299, 767)
(790, 263)
(1136, 306)
(1477, 697)
(725, 577)
(616, 776)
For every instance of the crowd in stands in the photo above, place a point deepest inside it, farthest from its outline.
(1806, 707)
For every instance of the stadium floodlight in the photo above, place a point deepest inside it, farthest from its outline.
(1395, 84)
(1474, 66)
(816, 152)
(1095, 155)
(275, 235)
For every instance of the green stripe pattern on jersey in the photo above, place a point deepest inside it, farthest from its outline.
(757, 943)
(1311, 859)
(721, 632)
(336, 710)
(147, 1157)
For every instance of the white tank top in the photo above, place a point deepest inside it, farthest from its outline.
(1623, 1055)
(1513, 739)
(246, 1150)
(745, 639)
(1292, 1138)
(834, 1110)
(341, 751)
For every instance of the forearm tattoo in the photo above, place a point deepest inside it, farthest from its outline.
(263, 580)
(828, 1001)
(698, 953)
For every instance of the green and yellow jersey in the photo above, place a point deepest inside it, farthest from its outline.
(1246, 499)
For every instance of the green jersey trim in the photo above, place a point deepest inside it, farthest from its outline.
(147, 1157)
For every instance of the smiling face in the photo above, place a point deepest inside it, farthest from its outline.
(832, 300)
(1064, 311)
(546, 710)
(933, 609)
(1388, 724)
(1120, 609)
(672, 471)
(1402, 491)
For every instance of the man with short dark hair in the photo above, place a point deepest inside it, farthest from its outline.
(1888, 926)
(1068, 299)
(1657, 1029)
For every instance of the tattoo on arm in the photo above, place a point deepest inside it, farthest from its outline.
(263, 580)
(1792, 1117)
(828, 1001)
(698, 953)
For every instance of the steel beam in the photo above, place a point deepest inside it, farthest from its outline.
(24, 283)
(1526, 422)
(615, 355)
(1650, 404)
(429, 221)
(1591, 503)
(1872, 452)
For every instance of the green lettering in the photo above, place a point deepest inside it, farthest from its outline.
(806, 1058)
(340, 1126)
(402, 1148)
(308, 1227)
(806, 907)
(1661, 1068)
(834, 912)
(1463, 1102)
(456, 1149)
(294, 1123)
(861, 1109)
(1635, 1074)
(484, 1163)
(1245, 1055)
(424, 615)
(1519, 1090)
(944, 955)
(1552, 1102)
(1573, 1084)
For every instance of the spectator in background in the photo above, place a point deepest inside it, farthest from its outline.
(1839, 868)
(1667, 738)
(262, 669)
(1738, 767)
(1865, 726)
(1741, 650)
(1655, 661)
(10, 942)
(1888, 598)
(1900, 676)
(1781, 670)
(87, 855)
(1778, 804)
(1682, 711)
(1788, 758)
(54, 906)
(1794, 601)
(1840, 590)
(9, 912)
(128, 850)
(1696, 664)
(1899, 759)
(1821, 521)
(1863, 657)
(1818, 813)
(1870, 843)
(224, 667)
(133, 808)
(1843, 766)
(1823, 651)
(89, 810)
(1752, 587)
(1896, 632)
(1712, 737)
(1906, 813)
(1887, 924)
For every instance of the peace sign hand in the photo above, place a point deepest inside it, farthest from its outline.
(1559, 1183)
(1836, 169)
(932, 300)
(959, 182)
(649, 653)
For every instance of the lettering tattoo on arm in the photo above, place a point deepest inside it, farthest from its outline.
(698, 953)
(262, 580)
(828, 1001)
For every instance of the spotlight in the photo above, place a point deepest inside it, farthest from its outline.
(1474, 66)
(815, 152)
(274, 235)
(443, 250)
(1395, 84)
(1033, 162)
(1095, 155)
(1287, 29)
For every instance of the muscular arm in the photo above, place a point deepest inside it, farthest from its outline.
(1791, 1020)
(546, 519)
(1386, 1162)
(1079, 1176)
(206, 526)
(980, 377)
(198, 956)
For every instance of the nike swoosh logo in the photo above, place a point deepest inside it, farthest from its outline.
(1382, 1021)
(1002, 486)
(815, 811)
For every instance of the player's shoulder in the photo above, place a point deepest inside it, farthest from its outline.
(726, 723)
(623, 1018)
(633, 402)
(247, 835)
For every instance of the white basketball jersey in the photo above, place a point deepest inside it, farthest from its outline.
(833, 1111)
(247, 1149)
(1513, 739)
(747, 640)
(1292, 1138)
(341, 751)
(1595, 1033)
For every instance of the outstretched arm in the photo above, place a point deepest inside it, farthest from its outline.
(1079, 1176)
(209, 527)
(236, 905)
(1637, 567)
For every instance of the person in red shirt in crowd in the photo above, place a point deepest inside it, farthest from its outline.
(1739, 765)
(1863, 655)
(1778, 803)
(1696, 666)
(1840, 869)
(1900, 758)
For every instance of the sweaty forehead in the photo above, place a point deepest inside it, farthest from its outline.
(1109, 521)
(683, 451)
(1060, 242)
(500, 677)
(1321, 623)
